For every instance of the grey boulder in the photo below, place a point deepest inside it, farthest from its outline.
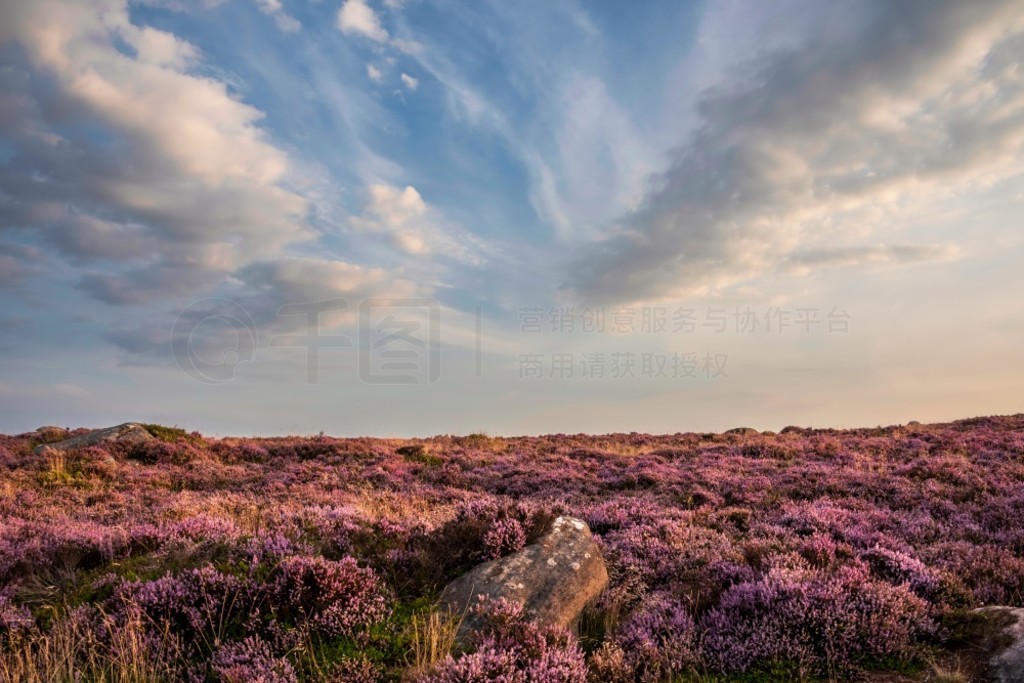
(554, 579)
(1007, 665)
(127, 433)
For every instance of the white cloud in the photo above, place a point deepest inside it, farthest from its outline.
(585, 154)
(274, 283)
(284, 21)
(409, 47)
(374, 73)
(413, 227)
(160, 48)
(598, 165)
(396, 207)
(410, 82)
(254, 301)
(396, 213)
(195, 189)
(183, 5)
(840, 137)
(357, 18)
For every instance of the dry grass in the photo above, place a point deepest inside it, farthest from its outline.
(249, 516)
(941, 674)
(432, 636)
(625, 448)
(56, 471)
(483, 441)
(376, 505)
(71, 652)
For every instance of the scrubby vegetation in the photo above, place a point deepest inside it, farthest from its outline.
(814, 554)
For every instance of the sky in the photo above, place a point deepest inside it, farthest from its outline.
(415, 217)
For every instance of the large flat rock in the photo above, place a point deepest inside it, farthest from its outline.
(554, 579)
(129, 432)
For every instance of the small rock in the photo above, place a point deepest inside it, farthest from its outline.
(791, 430)
(128, 433)
(554, 579)
(1007, 665)
(744, 431)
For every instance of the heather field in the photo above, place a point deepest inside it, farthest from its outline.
(803, 555)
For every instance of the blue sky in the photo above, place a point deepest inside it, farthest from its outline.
(174, 172)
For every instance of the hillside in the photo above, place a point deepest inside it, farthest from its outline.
(805, 555)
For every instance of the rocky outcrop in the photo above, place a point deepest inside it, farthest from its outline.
(554, 579)
(127, 433)
(1007, 664)
(49, 434)
(743, 431)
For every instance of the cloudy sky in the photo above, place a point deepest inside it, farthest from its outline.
(407, 217)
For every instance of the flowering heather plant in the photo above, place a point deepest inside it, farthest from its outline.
(932, 584)
(29, 546)
(610, 664)
(251, 661)
(480, 529)
(202, 605)
(268, 549)
(14, 619)
(994, 574)
(202, 528)
(243, 450)
(814, 551)
(486, 665)
(503, 538)
(335, 598)
(822, 623)
(158, 452)
(659, 640)
(510, 649)
(354, 670)
(819, 550)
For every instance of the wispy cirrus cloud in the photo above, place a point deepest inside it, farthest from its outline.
(156, 153)
(408, 223)
(275, 10)
(869, 255)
